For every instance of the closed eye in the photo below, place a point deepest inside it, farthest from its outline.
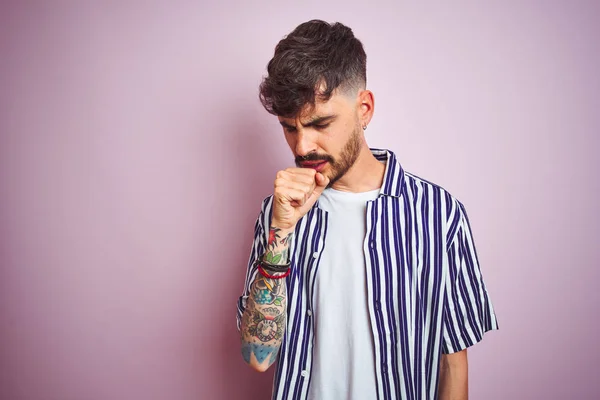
(290, 129)
(322, 126)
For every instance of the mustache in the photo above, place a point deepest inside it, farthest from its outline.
(314, 157)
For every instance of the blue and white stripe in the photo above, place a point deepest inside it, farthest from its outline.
(424, 285)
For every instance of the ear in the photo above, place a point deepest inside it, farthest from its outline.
(366, 107)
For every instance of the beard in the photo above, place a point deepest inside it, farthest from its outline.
(339, 166)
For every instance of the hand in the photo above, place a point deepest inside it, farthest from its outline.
(296, 191)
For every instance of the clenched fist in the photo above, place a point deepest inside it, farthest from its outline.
(296, 191)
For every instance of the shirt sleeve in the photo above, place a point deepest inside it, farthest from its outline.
(468, 311)
(257, 250)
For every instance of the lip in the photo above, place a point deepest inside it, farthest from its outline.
(318, 166)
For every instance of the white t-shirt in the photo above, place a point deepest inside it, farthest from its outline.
(343, 366)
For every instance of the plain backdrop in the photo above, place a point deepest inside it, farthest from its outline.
(134, 155)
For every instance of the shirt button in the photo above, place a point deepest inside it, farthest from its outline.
(384, 369)
(304, 373)
(309, 313)
(377, 305)
(315, 255)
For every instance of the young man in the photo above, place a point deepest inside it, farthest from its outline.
(363, 279)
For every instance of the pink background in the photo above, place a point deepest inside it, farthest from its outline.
(134, 155)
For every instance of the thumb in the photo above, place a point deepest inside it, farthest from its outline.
(322, 181)
(321, 184)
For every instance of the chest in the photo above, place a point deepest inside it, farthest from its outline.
(400, 248)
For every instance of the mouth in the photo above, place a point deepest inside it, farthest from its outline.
(316, 165)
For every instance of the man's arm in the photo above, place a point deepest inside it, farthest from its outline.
(265, 317)
(454, 376)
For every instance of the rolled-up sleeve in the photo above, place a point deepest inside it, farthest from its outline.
(468, 311)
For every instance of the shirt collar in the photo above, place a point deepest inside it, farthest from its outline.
(393, 178)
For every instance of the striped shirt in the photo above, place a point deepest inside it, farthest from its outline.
(425, 291)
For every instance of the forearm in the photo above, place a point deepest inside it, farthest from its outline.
(265, 317)
(454, 377)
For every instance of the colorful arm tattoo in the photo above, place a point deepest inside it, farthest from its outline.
(278, 246)
(265, 317)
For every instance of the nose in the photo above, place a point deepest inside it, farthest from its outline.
(305, 143)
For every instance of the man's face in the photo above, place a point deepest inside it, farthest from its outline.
(327, 137)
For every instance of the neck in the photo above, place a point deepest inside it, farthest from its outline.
(366, 174)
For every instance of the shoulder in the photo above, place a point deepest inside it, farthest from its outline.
(422, 192)
(415, 183)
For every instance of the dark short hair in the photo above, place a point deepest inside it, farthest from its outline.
(313, 54)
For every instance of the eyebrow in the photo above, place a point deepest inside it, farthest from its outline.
(313, 122)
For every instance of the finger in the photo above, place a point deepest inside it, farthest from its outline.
(310, 172)
(292, 174)
(294, 196)
(307, 188)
